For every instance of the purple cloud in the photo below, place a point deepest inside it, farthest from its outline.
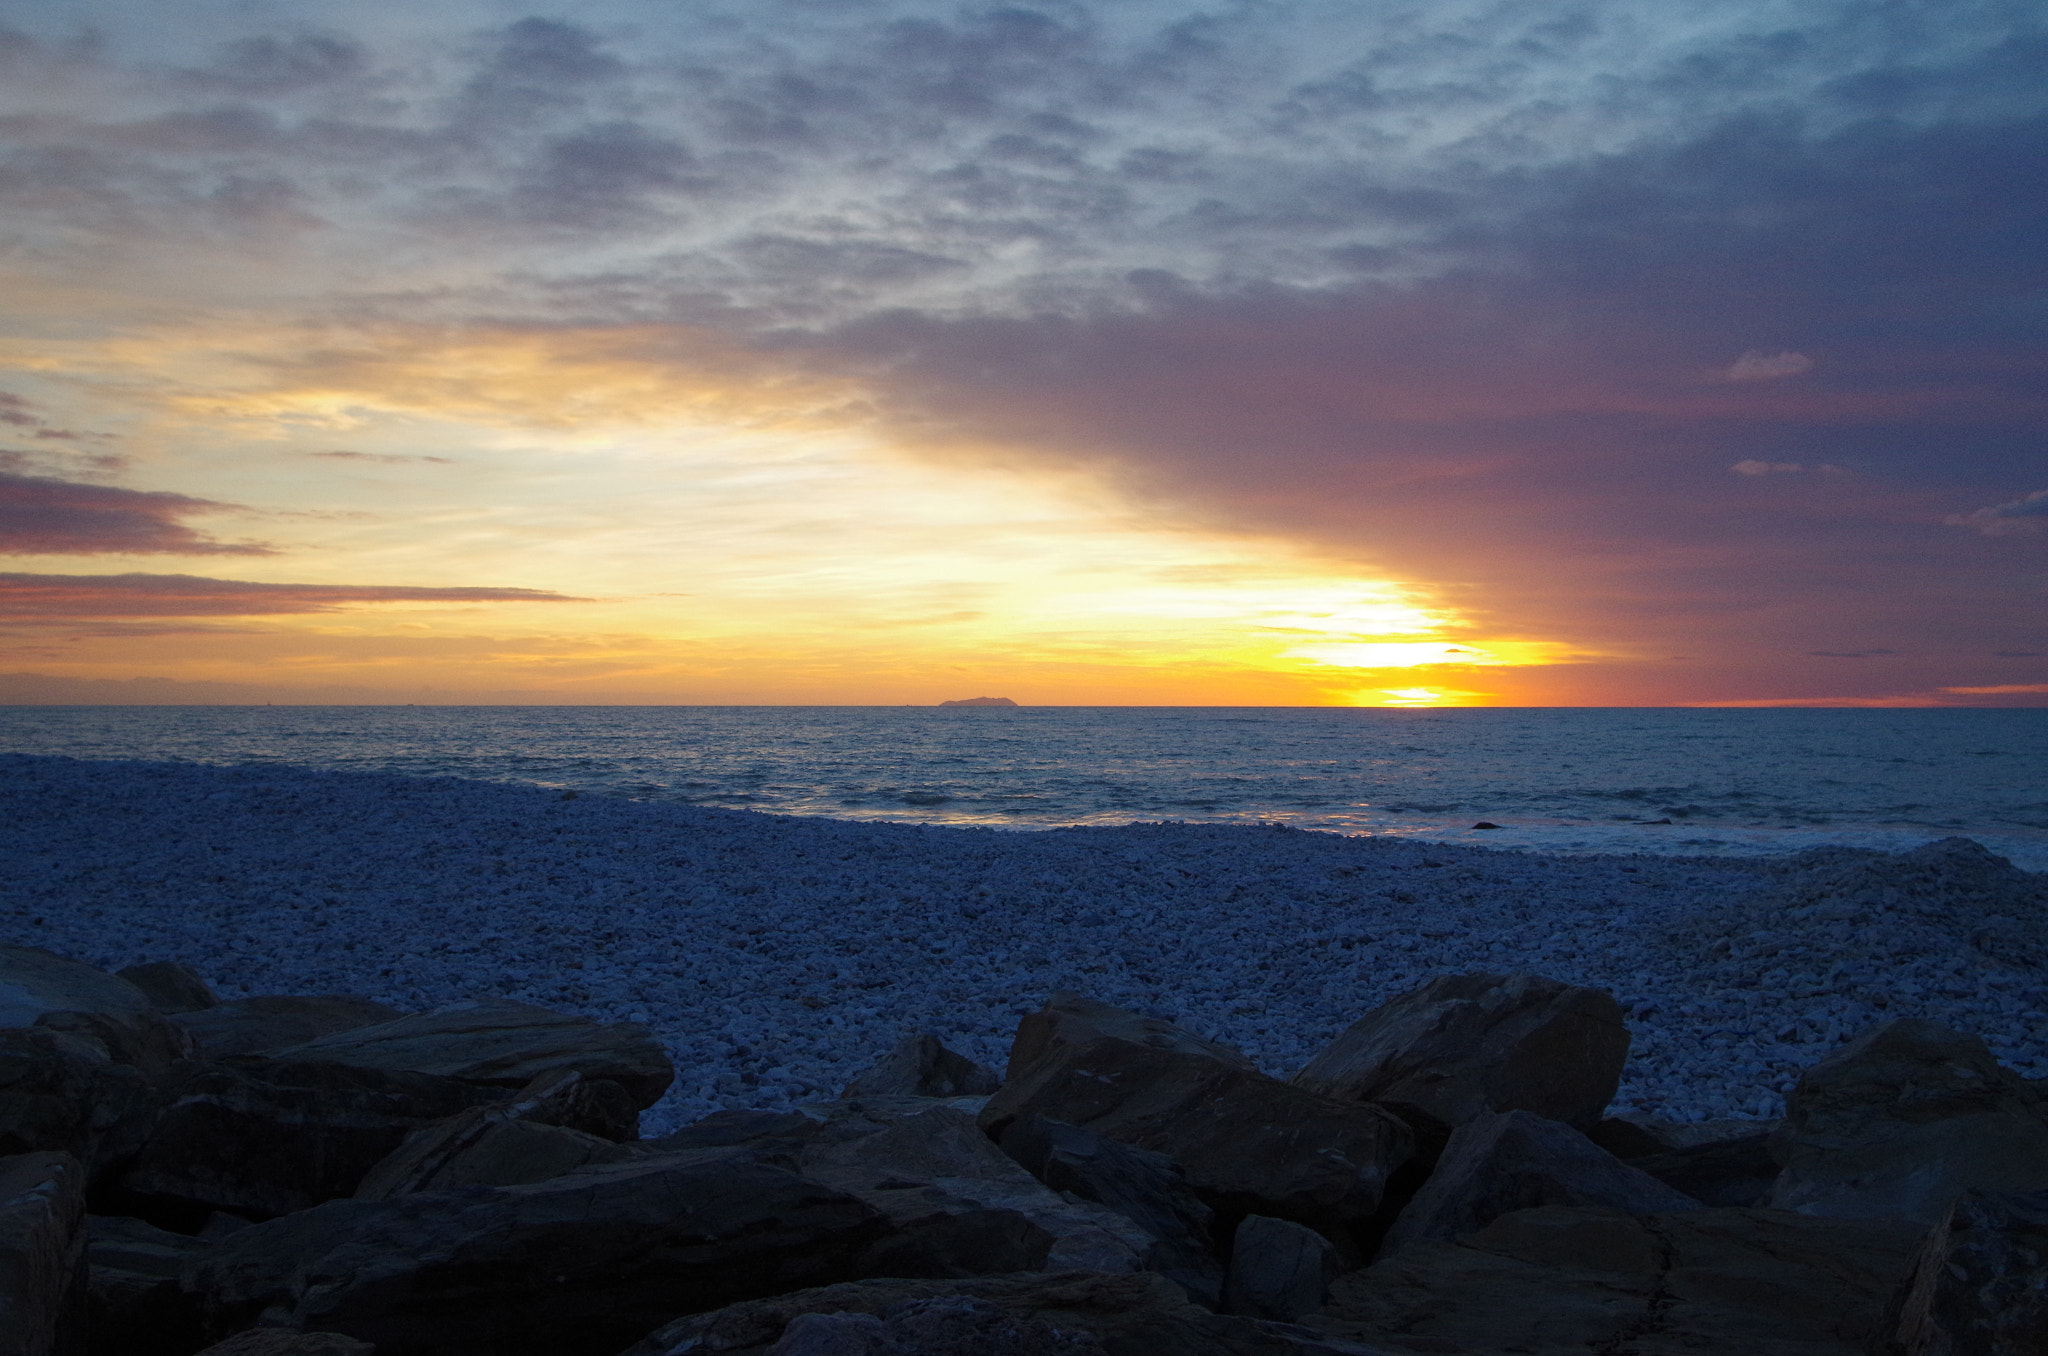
(42, 515)
(25, 597)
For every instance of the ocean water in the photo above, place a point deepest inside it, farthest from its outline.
(1686, 781)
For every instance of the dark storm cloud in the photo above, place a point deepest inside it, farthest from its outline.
(42, 515)
(40, 596)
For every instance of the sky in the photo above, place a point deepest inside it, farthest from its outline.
(1276, 352)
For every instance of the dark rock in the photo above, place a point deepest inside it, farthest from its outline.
(1464, 1044)
(522, 1139)
(1144, 1187)
(1497, 1163)
(268, 1023)
(920, 1066)
(283, 1342)
(173, 987)
(1731, 1172)
(576, 1266)
(503, 1043)
(136, 1307)
(1135, 1314)
(1903, 1120)
(1573, 1281)
(258, 1138)
(39, 988)
(959, 1205)
(1248, 1144)
(1072, 1019)
(1980, 1284)
(42, 1255)
(61, 1092)
(722, 1128)
(1627, 1139)
(1278, 1269)
(943, 1325)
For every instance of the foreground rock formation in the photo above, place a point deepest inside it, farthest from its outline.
(317, 1175)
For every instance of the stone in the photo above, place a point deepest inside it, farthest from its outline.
(1504, 1161)
(722, 1128)
(1144, 1187)
(1278, 1269)
(521, 1139)
(1071, 1019)
(1737, 1171)
(1626, 1138)
(1134, 1314)
(61, 1092)
(960, 1206)
(259, 1138)
(1902, 1121)
(42, 1255)
(39, 988)
(503, 1043)
(1463, 1044)
(578, 1265)
(920, 1066)
(171, 986)
(135, 1305)
(1581, 1281)
(942, 1325)
(1980, 1284)
(268, 1023)
(1248, 1144)
(284, 1342)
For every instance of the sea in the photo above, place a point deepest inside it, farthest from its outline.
(1687, 781)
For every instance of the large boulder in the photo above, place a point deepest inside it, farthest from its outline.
(504, 1043)
(1577, 1281)
(268, 1023)
(1072, 1019)
(1734, 1171)
(576, 1266)
(39, 988)
(61, 1092)
(1464, 1044)
(1511, 1160)
(958, 1205)
(257, 1138)
(172, 986)
(1124, 1315)
(42, 1255)
(135, 1304)
(1248, 1144)
(1902, 1121)
(283, 1342)
(920, 1066)
(1278, 1269)
(1980, 1284)
(1144, 1187)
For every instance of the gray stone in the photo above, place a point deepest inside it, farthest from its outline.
(1464, 1044)
(135, 1304)
(503, 1043)
(1902, 1121)
(920, 1066)
(42, 1255)
(1980, 1284)
(39, 988)
(171, 986)
(722, 1128)
(1576, 1281)
(61, 1092)
(521, 1139)
(272, 1022)
(1278, 1269)
(578, 1265)
(283, 1342)
(1248, 1144)
(1072, 1019)
(1144, 1187)
(1511, 1160)
(1717, 1172)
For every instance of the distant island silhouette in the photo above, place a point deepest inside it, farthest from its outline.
(980, 701)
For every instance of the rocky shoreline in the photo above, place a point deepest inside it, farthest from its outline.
(322, 1175)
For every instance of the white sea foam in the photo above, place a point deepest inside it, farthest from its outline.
(776, 956)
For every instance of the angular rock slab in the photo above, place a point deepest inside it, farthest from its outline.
(271, 1022)
(1129, 1315)
(1071, 1019)
(171, 986)
(502, 1042)
(1903, 1120)
(135, 1303)
(1980, 1284)
(61, 1093)
(283, 1342)
(576, 1266)
(1570, 1281)
(42, 1255)
(920, 1066)
(1733, 1172)
(259, 1139)
(1248, 1144)
(1464, 1044)
(1497, 1163)
(522, 1139)
(1144, 1187)
(1278, 1269)
(40, 988)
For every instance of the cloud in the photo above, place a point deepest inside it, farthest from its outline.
(1751, 466)
(40, 596)
(2000, 689)
(2000, 520)
(384, 458)
(42, 515)
(1756, 365)
(1849, 654)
